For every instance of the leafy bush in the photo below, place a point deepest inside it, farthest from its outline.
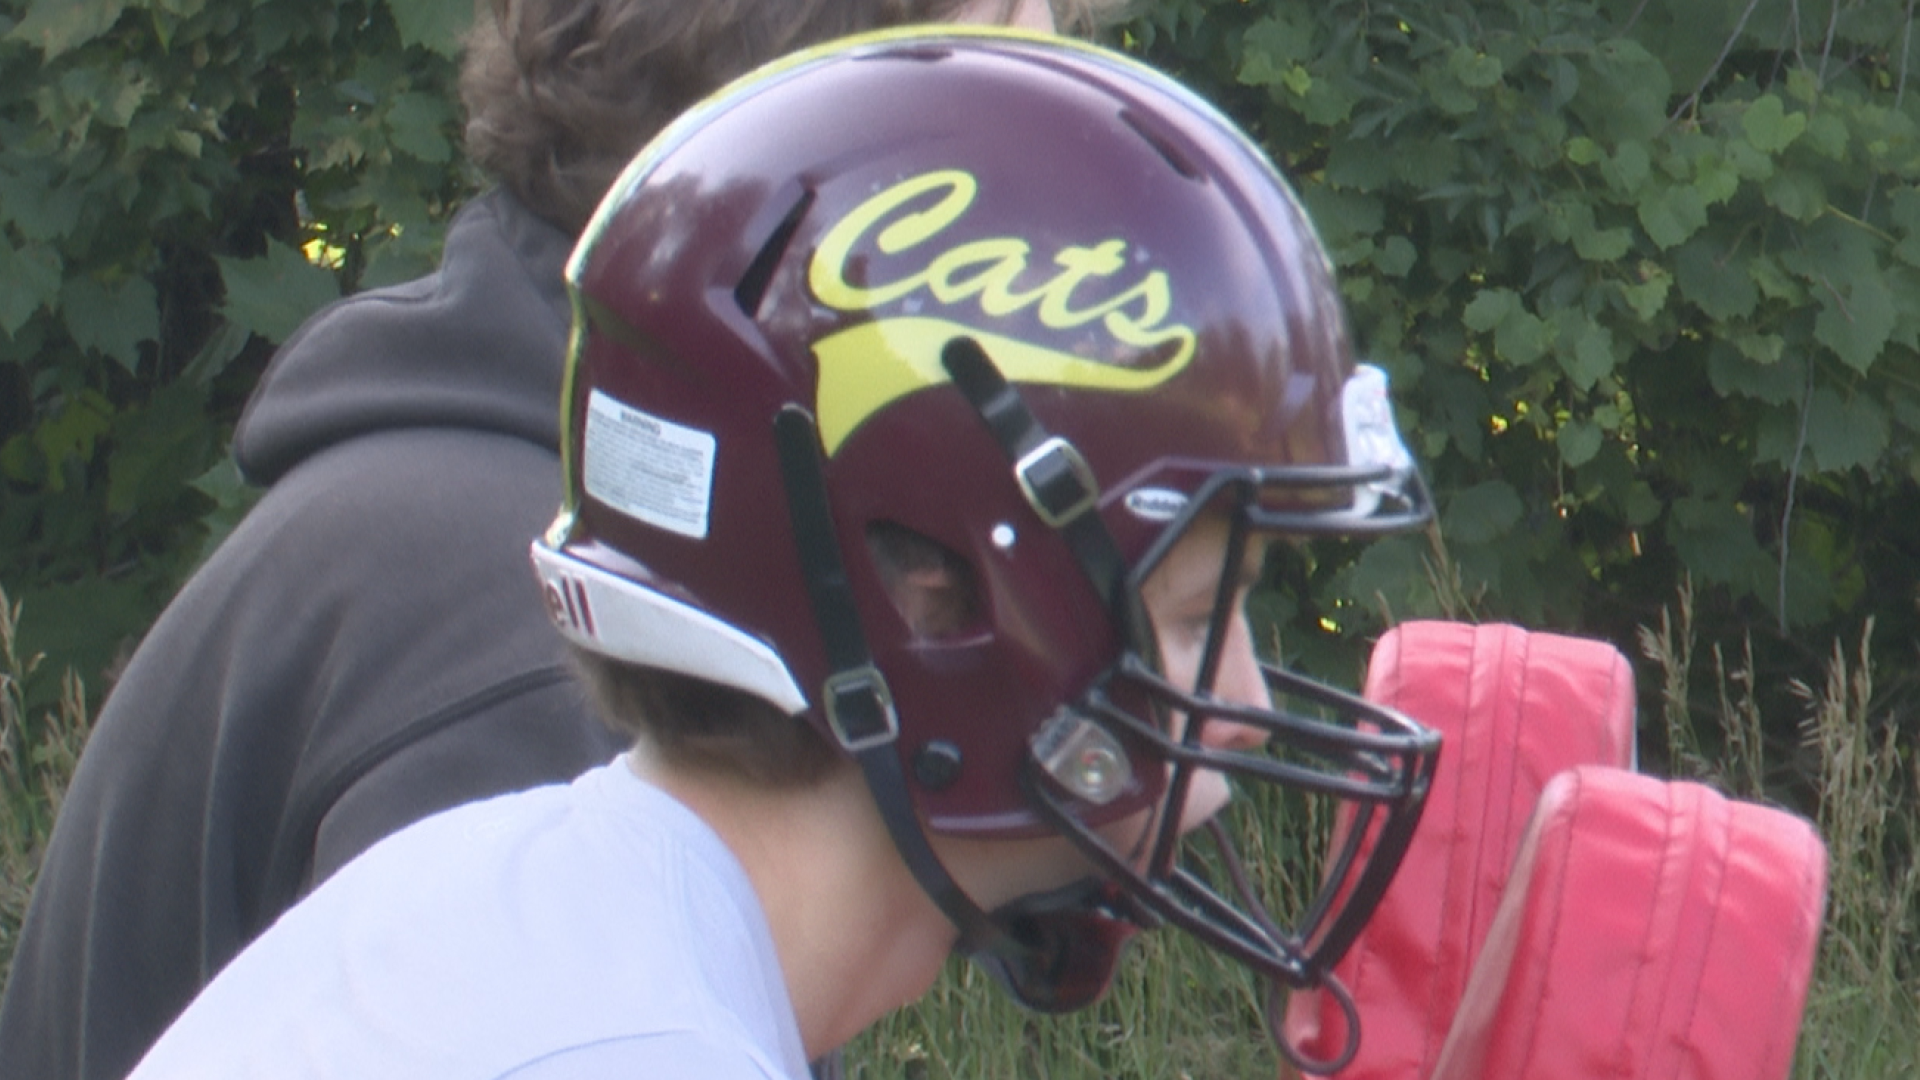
(181, 182)
(1644, 273)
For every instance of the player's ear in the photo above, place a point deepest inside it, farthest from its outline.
(931, 586)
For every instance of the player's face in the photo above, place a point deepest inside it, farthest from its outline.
(1179, 597)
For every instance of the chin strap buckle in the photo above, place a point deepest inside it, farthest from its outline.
(1057, 481)
(860, 709)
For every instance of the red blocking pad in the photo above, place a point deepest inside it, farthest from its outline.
(1652, 930)
(1514, 709)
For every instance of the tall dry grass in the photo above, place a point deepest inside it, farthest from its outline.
(1179, 1011)
(37, 757)
(1863, 1011)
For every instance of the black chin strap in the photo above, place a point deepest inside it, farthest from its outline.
(857, 703)
(1057, 482)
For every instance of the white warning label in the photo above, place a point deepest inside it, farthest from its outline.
(651, 469)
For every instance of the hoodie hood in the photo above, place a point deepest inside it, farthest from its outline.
(480, 343)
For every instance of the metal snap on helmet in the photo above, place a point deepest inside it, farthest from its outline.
(1038, 304)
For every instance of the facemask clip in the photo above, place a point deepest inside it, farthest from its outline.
(1083, 757)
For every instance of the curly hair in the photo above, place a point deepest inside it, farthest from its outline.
(560, 94)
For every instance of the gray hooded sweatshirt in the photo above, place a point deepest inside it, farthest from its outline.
(367, 648)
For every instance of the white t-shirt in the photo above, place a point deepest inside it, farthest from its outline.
(595, 929)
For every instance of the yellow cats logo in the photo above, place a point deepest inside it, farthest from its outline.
(866, 367)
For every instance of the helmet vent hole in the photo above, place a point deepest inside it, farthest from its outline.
(1162, 145)
(928, 53)
(931, 586)
(752, 287)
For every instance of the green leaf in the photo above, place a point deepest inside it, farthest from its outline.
(1829, 136)
(1341, 217)
(1769, 127)
(1460, 410)
(1824, 571)
(1425, 160)
(1711, 277)
(1845, 433)
(1391, 572)
(1761, 348)
(55, 26)
(1586, 353)
(1489, 308)
(433, 24)
(1749, 163)
(1298, 79)
(1649, 296)
(1625, 97)
(71, 432)
(1603, 245)
(1396, 256)
(1474, 69)
(417, 124)
(1627, 168)
(34, 199)
(1715, 179)
(1324, 102)
(1716, 543)
(1905, 206)
(1803, 85)
(1445, 91)
(1732, 373)
(112, 95)
(1481, 513)
(232, 497)
(1799, 195)
(1857, 328)
(1579, 440)
(1672, 214)
(84, 623)
(1774, 281)
(273, 295)
(1565, 80)
(1360, 164)
(1590, 243)
(1642, 506)
(158, 447)
(111, 320)
(1522, 337)
(223, 346)
(32, 281)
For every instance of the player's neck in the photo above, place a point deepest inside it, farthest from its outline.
(856, 936)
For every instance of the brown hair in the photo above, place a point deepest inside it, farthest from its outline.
(697, 726)
(560, 94)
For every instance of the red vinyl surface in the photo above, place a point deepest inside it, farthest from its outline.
(1515, 708)
(1652, 930)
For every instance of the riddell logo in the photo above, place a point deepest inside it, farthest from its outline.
(567, 604)
(1155, 504)
(866, 367)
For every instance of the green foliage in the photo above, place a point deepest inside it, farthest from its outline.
(37, 757)
(1644, 274)
(1862, 1006)
(181, 182)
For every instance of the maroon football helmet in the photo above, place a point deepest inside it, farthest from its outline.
(1033, 301)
